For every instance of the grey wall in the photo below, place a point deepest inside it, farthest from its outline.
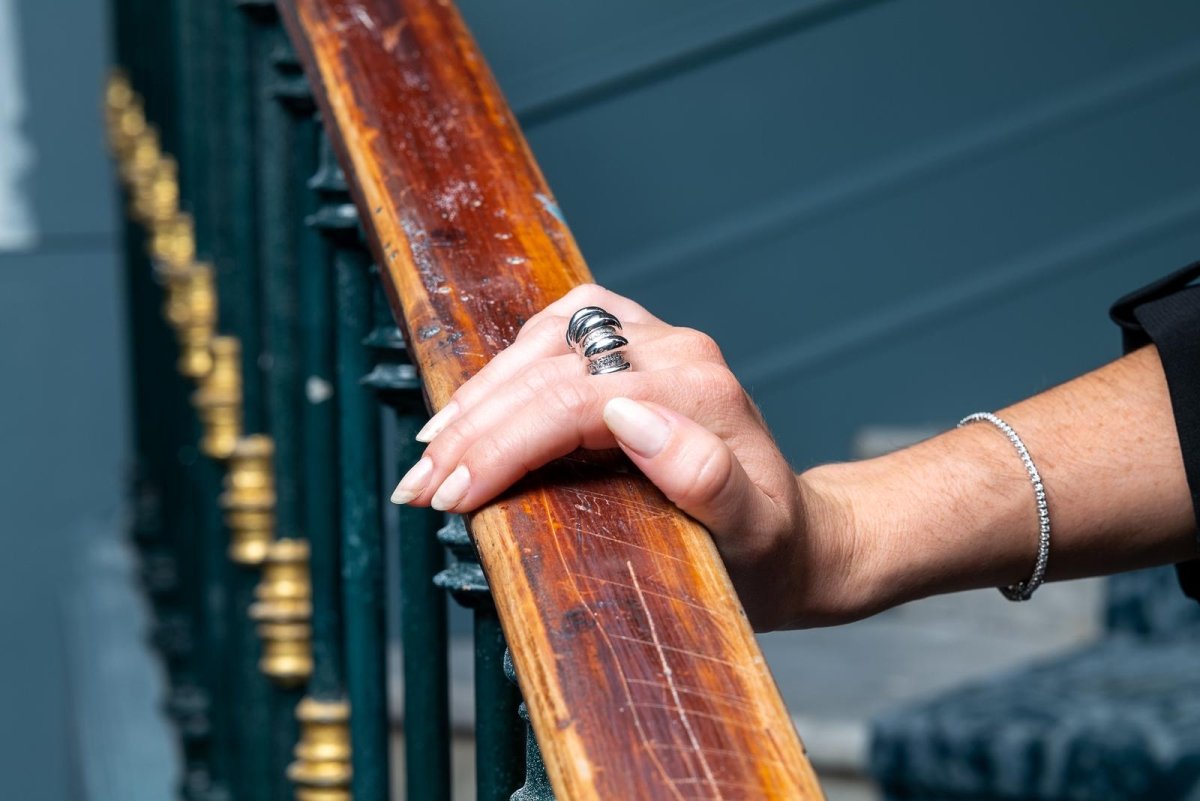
(886, 212)
(62, 423)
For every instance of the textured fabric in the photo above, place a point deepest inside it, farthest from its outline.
(1116, 721)
(1167, 313)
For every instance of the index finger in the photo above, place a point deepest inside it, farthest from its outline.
(543, 335)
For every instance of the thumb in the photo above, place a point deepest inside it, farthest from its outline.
(692, 466)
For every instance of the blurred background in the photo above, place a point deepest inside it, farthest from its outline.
(888, 214)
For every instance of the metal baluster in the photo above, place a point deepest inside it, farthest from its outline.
(537, 781)
(218, 399)
(363, 594)
(162, 419)
(284, 605)
(322, 769)
(498, 732)
(248, 500)
(422, 606)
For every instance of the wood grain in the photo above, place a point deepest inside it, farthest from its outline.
(640, 670)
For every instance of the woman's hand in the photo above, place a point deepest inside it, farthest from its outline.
(680, 416)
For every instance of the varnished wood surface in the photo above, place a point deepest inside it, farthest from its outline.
(641, 673)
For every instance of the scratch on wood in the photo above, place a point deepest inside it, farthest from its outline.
(648, 549)
(637, 722)
(707, 695)
(602, 580)
(662, 658)
(644, 512)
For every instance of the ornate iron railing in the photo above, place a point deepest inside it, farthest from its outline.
(273, 391)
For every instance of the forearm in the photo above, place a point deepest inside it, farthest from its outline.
(957, 511)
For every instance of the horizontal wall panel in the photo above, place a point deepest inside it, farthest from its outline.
(856, 203)
(550, 55)
(942, 368)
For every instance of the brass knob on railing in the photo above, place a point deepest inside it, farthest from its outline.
(140, 160)
(198, 310)
(124, 127)
(249, 500)
(322, 770)
(156, 199)
(173, 247)
(218, 401)
(283, 612)
(118, 98)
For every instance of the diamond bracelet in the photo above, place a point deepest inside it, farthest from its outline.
(1023, 590)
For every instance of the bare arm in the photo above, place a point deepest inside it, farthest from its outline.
(839, 541)
(957, 512)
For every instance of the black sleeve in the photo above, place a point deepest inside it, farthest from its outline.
(1167, 313)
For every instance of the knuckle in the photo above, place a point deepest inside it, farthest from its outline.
(536, 380)
(727, 388)
(715, 380)
(570, 400)
(702, 345)
(713, 474)
(487, 455)
(535, 324)
(452, 441)
(588, 295)
(549, 327)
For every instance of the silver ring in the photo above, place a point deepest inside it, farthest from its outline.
(592, 333)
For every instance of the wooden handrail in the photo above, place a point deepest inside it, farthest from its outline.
(641, 673)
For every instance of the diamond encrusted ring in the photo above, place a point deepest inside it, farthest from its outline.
(593, 334)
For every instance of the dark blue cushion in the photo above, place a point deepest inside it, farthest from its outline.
(1115, 721)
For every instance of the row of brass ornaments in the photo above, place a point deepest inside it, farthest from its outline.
(282, 609)
(151, 178)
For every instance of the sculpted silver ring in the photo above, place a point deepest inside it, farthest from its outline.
(593, 334)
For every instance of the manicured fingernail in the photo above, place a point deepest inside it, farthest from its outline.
(413, 482)
(439, 421)
(637, 427)
(453, 489)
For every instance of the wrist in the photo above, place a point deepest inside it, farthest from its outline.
(838, 560)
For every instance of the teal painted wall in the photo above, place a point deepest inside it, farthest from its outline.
(62, 411)
(886, 212)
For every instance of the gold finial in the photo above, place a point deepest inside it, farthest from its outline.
(249, 500)
(218, 401)
(322, 770)
(173, 245)
(198, 297)
(156, 198)
(141, 159)
(118, 93)
(283, 612)
(125, 126)
(118, 97)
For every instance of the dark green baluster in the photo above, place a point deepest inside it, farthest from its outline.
(277, 220)
(422, 606)
(324, 713)
(363, 596)
(537, 781)
(186, 517)
(236, 262)
(319, 411)
(498, 732)
(197, 119)
(164, 421)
